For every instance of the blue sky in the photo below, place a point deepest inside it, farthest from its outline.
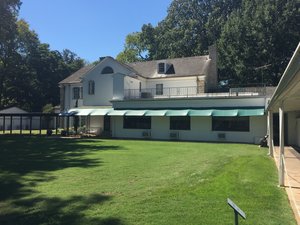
(90, 28)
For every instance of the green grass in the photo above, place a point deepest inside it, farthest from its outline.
(120, 182)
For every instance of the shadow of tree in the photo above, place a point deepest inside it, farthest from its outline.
(56, 211)
(37, 157)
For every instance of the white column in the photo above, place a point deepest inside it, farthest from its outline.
(270, 133)
(281, 144)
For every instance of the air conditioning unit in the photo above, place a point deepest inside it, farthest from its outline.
(174, 135)
(221, 136)
(146, 134)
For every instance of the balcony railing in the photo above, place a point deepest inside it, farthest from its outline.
(190, 92)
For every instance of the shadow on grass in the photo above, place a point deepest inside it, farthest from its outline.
(56, 211)
(37, 157)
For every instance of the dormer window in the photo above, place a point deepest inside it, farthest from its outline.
(107, 70)
(161, 68)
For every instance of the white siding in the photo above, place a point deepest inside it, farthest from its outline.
(201, 130)
(292, 126)
(191, 103)
(173, 82)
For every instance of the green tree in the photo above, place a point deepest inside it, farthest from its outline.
(8, 31)
(258, 39)
(134, 49)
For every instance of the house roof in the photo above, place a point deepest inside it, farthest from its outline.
(178, 67)
(76, 77)
(187, 66)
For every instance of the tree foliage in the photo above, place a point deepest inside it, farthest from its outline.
(29, 70)
(255, 38)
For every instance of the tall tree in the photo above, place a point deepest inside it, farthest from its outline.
(258, 39)
(8, 31)
(134, 49)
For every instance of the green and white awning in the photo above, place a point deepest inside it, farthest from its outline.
(135, 112)
(177, 112)
(217, 112)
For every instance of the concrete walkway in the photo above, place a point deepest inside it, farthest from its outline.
(292, 177)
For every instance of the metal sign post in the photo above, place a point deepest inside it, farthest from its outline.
(237, 211)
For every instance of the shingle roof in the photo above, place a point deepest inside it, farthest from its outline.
(76, 77)
(187, 66)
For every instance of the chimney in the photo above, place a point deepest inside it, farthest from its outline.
(212, 51)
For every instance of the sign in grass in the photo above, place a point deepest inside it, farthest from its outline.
(237, 211)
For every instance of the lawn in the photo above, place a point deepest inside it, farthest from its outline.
(123, 182)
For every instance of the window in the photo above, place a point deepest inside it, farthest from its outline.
(137, 122)
(159, 89)
(107, 70)
(231, 124)
(76, 93)
(91, 87)
(180, 123)
(161, 68)
(81, 92)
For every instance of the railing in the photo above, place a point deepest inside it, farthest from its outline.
(189, 92)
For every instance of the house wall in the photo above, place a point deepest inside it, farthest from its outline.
(104, 83)
(298, 132)
(173, 82)
(293, 124)
(201, 130)
(191, 103)
(68, 96)
(96, 124)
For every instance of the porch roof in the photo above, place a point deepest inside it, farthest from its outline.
(287, 93)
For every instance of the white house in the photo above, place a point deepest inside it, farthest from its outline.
(164, 99)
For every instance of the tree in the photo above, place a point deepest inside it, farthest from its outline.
(257, 41)
(134, 50)
(8, 31)
(182, 33)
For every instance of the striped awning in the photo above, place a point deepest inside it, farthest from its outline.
(217, 112)
(156, 113)
(177, 112)
(100, 112)
(135, 112)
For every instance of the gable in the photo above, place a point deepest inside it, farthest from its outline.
(108, 67)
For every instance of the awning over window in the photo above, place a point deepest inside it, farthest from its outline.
(83, 112)
(166, 112)
(251, 112)
(117, 113)
(135, 112)
(182, 112)
(156, 113)
(100, 112)
(225, 112)
(200, 112)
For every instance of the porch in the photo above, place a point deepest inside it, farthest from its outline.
(194, 91)
(292, 176)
